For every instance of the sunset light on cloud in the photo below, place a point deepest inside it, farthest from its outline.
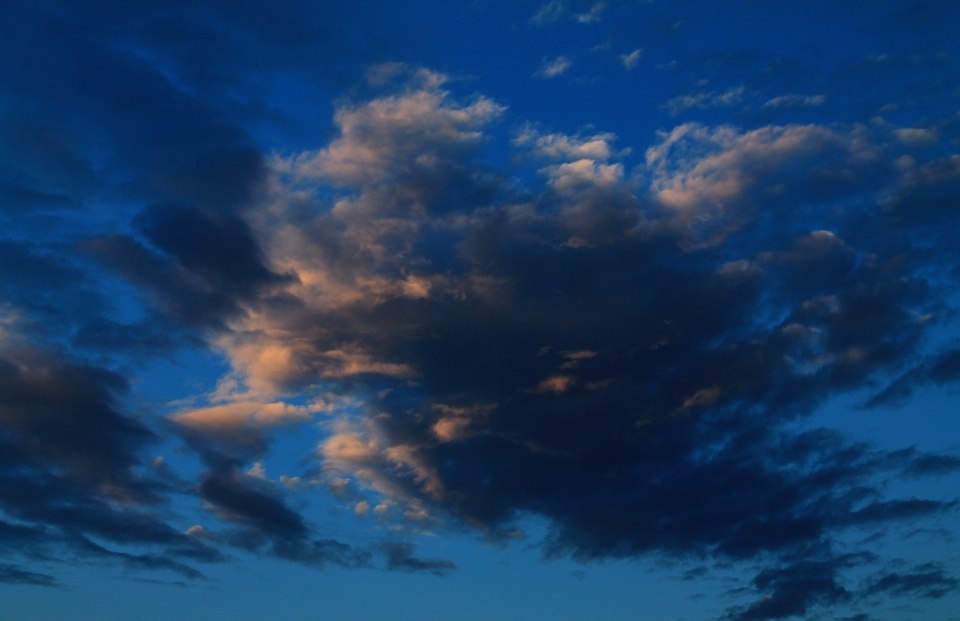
(462, 311)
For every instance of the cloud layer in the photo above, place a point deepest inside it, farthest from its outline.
(627, 348)
(623, 353)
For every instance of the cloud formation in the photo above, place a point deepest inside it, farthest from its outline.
(630, 60)
(623, 353)
(551, 68)
(126, 159)
(72, 477)
(627, 350)
(581, 12)
(703, 99)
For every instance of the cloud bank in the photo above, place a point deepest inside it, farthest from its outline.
(627, 352)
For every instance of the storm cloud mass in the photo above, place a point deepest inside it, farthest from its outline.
(488, 321)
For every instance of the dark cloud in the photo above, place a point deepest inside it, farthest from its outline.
(218, 248)
(161, 91)
(400, 558)
(71, 469)
(126, 106)
(72, 476)
(56, 298)
(941, 369)
(210, 266)
(263, 520)
(173, 293)
(64, 414)
(37, 282)
(267, 524)
(11, 574)
(928, 580)
(238, 501)
(793, 589)
(634, 378)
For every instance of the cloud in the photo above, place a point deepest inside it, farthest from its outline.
(10, 574)
(927, 580)
(593, 15)
(549, 12)
(400, 558)
(794, 589)
(71, 471)
(148, 109)
(702, 99)
(551, 68)
(406, 159)
(236, 499)
(210, 265)
(719, 175)
(375, 134)
(260, 518)
(630, 60)
(793, 100)
(623, 354)
(940, 369)
(239, 429)
(553, 147)
(556, 10)
(224, 418)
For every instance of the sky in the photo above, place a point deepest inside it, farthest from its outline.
(608, 310)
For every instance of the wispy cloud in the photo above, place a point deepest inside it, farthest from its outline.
(593, 15)
(555, 10)
(630, 60)
(551, 68)
(704, 100)
(550, 12)
(793, 100)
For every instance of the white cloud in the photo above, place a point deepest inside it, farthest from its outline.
(916, 136)
(714, 177)
(378, 135)
(393, 155)
(792, 100)
(555, 10)
(578, 166)
(553, 68)
(394, 471)
(593, 15)
(557, 146)
(704, 100)
(550, 12)
(630, 60)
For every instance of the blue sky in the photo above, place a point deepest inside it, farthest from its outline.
(479, 310)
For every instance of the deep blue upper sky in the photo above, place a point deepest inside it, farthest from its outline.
(487, 310)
